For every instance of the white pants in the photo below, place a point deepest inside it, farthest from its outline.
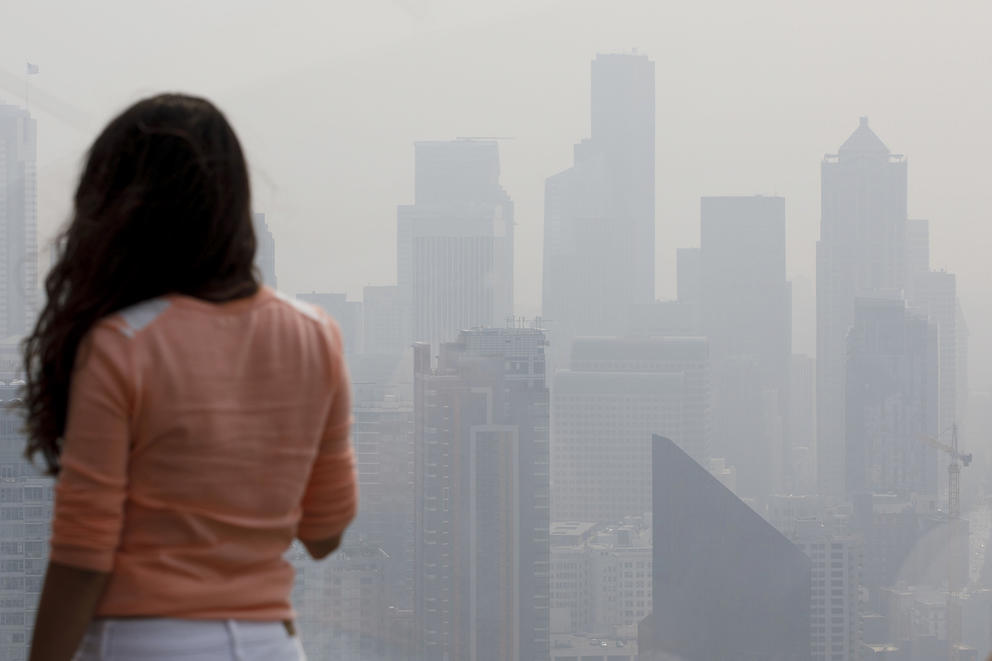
(166, 639)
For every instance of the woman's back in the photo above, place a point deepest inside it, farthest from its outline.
(202, 437)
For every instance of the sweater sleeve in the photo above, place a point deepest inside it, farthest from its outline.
(92, 485)
(330, 501)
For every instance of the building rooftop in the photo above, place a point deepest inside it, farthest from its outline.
(863, 141)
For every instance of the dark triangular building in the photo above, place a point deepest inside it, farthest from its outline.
(727, 585)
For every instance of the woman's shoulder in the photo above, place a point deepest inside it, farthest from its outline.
(135, 318)
(312, 312)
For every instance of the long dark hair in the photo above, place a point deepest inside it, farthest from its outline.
(163, 206)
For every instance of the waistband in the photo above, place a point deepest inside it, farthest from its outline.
(138, 634)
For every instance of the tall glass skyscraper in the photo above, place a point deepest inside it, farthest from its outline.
(861, 253)
(18, 221)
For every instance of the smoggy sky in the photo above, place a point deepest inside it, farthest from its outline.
(328, 98)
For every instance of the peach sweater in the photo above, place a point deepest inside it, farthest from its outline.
(201, 439)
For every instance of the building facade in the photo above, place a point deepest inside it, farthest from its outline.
(455, 243)
(385, 326)
(18, 221)
(482, 497)
(746, 313)
(601, 585)
(861, 252)
(618, 392)
(599, 214)
(891, 394)
(836, 556)
(26, 502)
(727, 585)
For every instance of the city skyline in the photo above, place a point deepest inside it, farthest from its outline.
(705, 145)
(656, 470)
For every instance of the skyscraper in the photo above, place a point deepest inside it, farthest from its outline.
(836, 558)
(18, 221)
(727, 585)
(617, 392)
(455, 243)
(892, 394)
(861, 252)
(599, 214)
(26, 501)
(935, 297)
(385, 324)
(746, 312)
(481, 478)
(382, 434)
(265, 252)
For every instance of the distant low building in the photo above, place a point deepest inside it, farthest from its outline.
(600, 582)
(567, 647)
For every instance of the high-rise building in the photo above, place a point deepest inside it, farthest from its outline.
(727, 585)
(385, 324)
(746, 313)
(26, 501)
(689, 275)
(482, 492)
(382, 435)
(934, 295)
(616, 394)
(892, 394)
(962, 389)
(455, 243)
(18, 221)
(664, 319)
(836, 557)
(599, 214)
(861, 252)
(801, 477)
(265, 250)
(917, 251)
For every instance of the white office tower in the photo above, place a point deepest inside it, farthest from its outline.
(861, 252)
(18, 221)
(835, 629)
(616, 394)
(599, 213)
(455, 243)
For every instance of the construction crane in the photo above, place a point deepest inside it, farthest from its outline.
(954, 608)
(953, 471)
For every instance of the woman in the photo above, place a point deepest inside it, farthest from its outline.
(197, 421)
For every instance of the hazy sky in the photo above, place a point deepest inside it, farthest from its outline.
(329, 96)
